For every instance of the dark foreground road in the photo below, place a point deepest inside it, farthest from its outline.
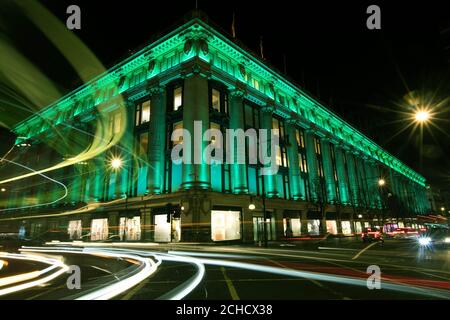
(330, 269)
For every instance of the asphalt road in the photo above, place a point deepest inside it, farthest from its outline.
(329, 269)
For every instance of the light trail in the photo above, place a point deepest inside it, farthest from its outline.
(55, 264)
(42, 175)
(435, 293)
(145, 269)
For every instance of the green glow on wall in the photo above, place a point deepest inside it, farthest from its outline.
(224, 55)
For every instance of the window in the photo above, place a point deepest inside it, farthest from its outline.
(130, 229)
(219, 100)
(332, 226)
(143, 113)
(215, 97)
(346, 227)
(143, 144)
(278, 126)
(318, 149)
(225, 225)
(99, 229)
(74, 229)
(177, 98)
(176, 126)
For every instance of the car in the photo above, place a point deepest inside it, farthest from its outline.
(435, 237)
(372, 234)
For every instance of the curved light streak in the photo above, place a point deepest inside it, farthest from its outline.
(44, 176)
(78, 55)
(54, 264)
(324, 277)
(147, 268)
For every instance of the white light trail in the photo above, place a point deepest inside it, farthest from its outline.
(146, 268)
(44, 176)
(55, 264)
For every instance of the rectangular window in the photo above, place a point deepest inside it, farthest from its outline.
(143, 144)
(99, 229)
(215, 99)
(314, 227)
(74, 229)
(176, 126)
(145, 112)
(346, 227)
(332, 226)
(130, 229)
(225, 225)
(177, 98)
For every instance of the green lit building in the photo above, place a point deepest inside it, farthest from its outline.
(115, 132)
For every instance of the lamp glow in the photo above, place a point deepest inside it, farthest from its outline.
(116, 163)
(251, 206)
(381, 182)
(424, 241)
(422, 116)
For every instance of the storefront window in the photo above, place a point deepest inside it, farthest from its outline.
(130, 229)
(346, 227)
(162, 228)
(332, 227)
(314, 227)
(358, 228)
(74, 229)
(99, 229)
(225, 225)
(292, 227)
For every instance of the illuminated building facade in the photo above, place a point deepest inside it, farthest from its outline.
(331, 178)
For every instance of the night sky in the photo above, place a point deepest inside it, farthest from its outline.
(363, 75)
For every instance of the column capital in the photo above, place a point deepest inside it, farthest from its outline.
(156, 89)
(268, 108)
(292, 121)
(238, 92)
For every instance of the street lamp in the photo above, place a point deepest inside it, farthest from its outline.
(116, 163)
(381, 182)
(252, 206)
(422, 116)
(3, 190)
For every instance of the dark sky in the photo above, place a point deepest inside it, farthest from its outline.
(362, 74)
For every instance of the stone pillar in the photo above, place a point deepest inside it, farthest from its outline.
(279, 231)
(99, 177)
(196, 109)
(85, 226)
(328, 171)
(314, 184)
(294, 166)
(342, 176)
(304, 223)
(360, 167)
(113, 224)
(266, 123)
(146, 223)
(238, 171)
(354, 186)
(157, 140)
